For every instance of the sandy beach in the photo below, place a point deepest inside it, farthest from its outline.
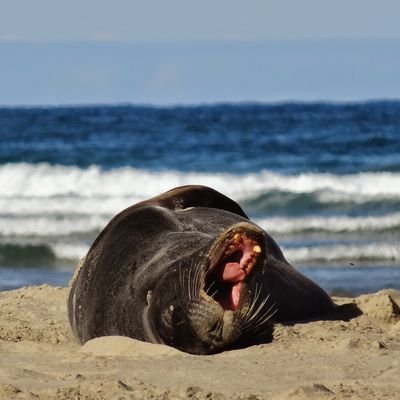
(355, 355)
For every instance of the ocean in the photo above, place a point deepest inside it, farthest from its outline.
(322, 178)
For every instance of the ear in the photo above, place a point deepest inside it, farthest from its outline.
(196, 196)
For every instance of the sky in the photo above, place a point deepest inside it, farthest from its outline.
(180, 52)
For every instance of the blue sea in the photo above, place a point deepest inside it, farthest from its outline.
(322, 178)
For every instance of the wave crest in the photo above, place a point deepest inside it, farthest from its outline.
(54, 212)
(45, 180)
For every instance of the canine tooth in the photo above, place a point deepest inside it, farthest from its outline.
(229, 250)
(237, 237)
(257, 249)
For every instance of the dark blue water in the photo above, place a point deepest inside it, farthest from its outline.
(323, 179)
(288, 138)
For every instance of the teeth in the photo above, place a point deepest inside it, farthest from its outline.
(257, 249)
(247, 265)
(229, 250)
(237, 237)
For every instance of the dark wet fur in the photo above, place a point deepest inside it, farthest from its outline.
(145, 277)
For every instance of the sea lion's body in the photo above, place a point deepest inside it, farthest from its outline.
(188, 269)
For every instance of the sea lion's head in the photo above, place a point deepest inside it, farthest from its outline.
(218, 301)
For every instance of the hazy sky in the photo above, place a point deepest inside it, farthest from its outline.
(169, 20)
(170, 51)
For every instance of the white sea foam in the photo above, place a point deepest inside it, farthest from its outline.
(70, 251)
(334, 224)
(36, 206)
(44, 180)
(46, 200)
(64, 225)
(345, 253)
(73, 250)
(44, 226)
(63, 207)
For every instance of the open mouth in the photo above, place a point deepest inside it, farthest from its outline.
(230, 268)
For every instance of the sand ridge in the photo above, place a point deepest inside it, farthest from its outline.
(353, 355)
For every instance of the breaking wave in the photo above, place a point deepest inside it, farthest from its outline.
(45, 180)
(52, 212)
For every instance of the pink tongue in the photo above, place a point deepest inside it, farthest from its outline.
(233, 273)
(231, 302)
(236, 295)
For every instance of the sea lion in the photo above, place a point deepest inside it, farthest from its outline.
(190, 270)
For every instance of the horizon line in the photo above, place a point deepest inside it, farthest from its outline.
(204, 103)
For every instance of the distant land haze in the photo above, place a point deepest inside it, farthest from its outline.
(192, 72)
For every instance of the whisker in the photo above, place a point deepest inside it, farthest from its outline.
(265, 318)
(253, 302)
(183, 300)
(255, 316)
(257, 295)
(209, 287)
(194, 280)
(258, 314)
(258, 332)
(199, 280)
(213, 294)
(190, 282)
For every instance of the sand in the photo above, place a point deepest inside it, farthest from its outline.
(356, 355)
